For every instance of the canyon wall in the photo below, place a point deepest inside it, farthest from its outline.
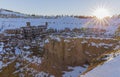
(76, 51)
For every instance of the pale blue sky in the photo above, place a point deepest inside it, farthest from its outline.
(59, 7)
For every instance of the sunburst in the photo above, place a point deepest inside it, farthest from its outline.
(100, 18)
(101, 13)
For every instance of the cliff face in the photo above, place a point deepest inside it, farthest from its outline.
(73, 52)
(65, 52)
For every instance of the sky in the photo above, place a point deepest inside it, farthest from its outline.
(60, 7)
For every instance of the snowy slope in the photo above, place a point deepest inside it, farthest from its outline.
(56, 23)
(59, 23)
(75, 73)
(9, 12)
(113, 25)
(111, 68)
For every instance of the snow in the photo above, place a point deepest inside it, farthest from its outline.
(1, 64)
(58, 23)
(1, 46)
(57, 38)
(36, 60)
(66, 40)
(84, 41)
(17, 64)
(76, 71)
(101, 44)
(117, 47)
(17, 51)
(114, 24)
(27, 47)
(47, 41)
(8, 12)
(43, 74)
(111, 68)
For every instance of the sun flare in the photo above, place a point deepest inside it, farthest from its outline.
(101, 13)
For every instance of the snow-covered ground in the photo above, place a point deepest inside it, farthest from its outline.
(111, 24)
(8, 12)
(76, 71)
(16, 58)
(58, 23)
(111, 68)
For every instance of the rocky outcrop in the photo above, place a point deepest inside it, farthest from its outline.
(77, 51)
(63, 52)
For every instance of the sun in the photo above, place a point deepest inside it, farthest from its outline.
(101, 13)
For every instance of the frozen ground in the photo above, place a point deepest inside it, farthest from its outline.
(58, 23)
(110, 24)
(111, 68)
(76, 71)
